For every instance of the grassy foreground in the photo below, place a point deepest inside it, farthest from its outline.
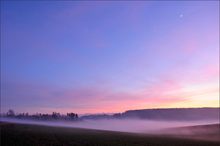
(35, 135)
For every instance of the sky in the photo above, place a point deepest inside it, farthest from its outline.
(108, 56)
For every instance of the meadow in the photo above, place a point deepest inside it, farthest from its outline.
(37, 135)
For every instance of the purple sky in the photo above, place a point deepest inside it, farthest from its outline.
(94, 57)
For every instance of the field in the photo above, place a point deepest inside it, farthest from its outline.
(35, 135)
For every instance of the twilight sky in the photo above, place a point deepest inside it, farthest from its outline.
(95, 57)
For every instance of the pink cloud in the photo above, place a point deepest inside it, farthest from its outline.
(81, 99)
(211, 71)
(168, 90)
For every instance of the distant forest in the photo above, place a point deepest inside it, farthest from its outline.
(40, 116)
(147, 114)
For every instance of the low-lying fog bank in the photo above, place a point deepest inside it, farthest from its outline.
(122, 125)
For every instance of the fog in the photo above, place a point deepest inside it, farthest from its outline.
(122, 125)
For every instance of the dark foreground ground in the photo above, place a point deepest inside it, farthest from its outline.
(35, 135)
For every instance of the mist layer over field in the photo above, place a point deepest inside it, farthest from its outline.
(122, 125)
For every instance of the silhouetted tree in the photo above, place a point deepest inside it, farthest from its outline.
(72, 115)
(10, 113)
(55, 115)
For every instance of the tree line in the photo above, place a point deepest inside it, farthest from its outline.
(40, 116)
